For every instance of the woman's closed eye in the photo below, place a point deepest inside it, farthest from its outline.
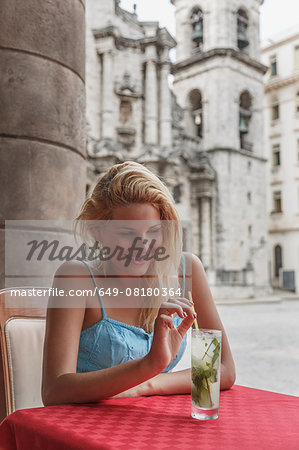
(132, 233)
(126, 233)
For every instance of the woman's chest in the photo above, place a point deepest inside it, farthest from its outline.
(127, 315)
(109, 343)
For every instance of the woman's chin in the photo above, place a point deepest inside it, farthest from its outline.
(134, 268)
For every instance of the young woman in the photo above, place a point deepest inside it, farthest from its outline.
(123, 344)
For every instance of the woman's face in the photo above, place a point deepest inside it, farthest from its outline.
(134, 232)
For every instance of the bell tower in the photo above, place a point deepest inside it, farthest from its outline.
(218, 81)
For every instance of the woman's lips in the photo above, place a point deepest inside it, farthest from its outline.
(138, 260)
(139, 263)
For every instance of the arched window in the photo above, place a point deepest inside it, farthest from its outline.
(242, 25)
(275, 109)
(196, 112)
(244, 119)
(277, 260)
(197, 28)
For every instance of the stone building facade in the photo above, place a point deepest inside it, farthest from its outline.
(281, 54)
(203, 137)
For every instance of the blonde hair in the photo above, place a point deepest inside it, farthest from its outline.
(124, 184)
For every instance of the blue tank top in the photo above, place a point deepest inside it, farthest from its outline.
(110, 342)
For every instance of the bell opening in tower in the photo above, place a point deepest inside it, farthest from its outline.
(244, 120)
(242, 25)
(196, 112)
(197, 29)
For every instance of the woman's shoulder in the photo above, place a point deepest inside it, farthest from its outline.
(72, 268)
(70, 278)
(193, 267)
(192, 260)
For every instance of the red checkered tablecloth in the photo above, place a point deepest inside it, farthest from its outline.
(248, 419)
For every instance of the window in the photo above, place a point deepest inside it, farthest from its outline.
(177, 193)
(277, 202)
(297, 103)
(244, 119)
(276, 155)
(249, 230)
(197, 28)
(297, 57)
(277, 260)
(242, 24)
(273, 65)
(196, 112)
(275, 109)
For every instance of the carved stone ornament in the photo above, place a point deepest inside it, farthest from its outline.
(126, 87)
(105, 147)
(153, 154)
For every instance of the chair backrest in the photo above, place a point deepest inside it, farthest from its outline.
(22, 328)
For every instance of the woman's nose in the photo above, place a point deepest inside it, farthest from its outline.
(144, 242)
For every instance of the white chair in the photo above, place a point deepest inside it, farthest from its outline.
(22, 328)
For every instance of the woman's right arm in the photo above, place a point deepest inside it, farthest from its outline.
(61, 383)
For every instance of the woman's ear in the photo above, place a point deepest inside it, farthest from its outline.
(96, 230)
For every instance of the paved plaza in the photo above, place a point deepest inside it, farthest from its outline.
(264, 338)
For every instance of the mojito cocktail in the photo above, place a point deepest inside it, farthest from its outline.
(205, 373)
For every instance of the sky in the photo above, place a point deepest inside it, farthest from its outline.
(276, 15)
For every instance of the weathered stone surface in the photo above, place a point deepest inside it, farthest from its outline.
(41, 100)
(39, 181)
(52, 29)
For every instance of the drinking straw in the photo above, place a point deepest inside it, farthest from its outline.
(195, 321)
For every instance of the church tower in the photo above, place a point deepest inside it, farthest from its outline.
(218, 81)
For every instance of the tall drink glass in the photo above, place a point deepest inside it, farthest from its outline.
(205, 373)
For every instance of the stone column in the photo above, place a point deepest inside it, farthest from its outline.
(108, 124)
(206, 231)
(195, 221)
(165, 102)
(42, 114)
(151, 97)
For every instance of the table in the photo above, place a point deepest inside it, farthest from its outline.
(248, 419)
